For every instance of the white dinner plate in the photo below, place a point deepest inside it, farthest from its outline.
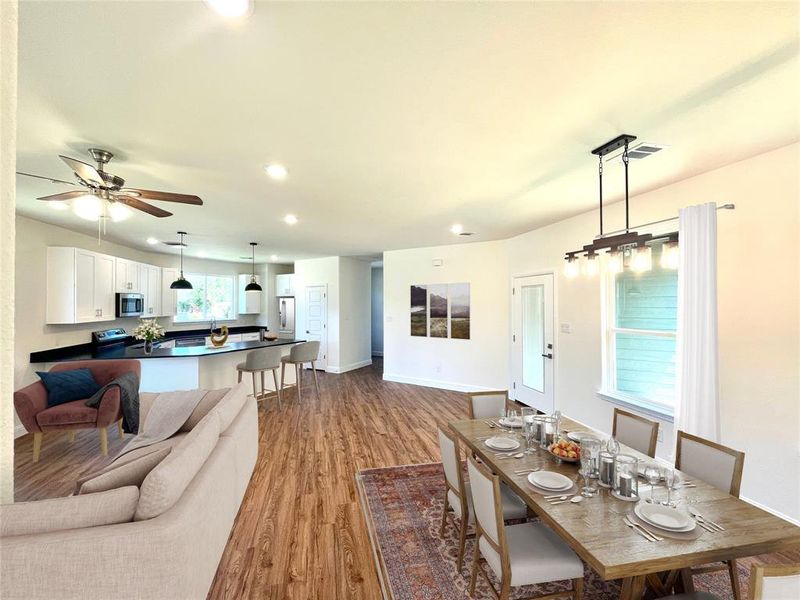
(664, 517)
(512, 422)
(548, 480)
(502, 443)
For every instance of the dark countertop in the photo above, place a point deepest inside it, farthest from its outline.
(133, 348)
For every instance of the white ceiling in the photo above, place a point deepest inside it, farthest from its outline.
(395, 120)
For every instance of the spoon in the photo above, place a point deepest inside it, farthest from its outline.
(517, 455)
(558, 499)
(576, 499)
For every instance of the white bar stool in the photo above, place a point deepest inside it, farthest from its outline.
(307, 352)
(260, 361)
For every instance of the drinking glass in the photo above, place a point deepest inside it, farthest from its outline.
(653, 475)
(612, 446)
(586, 471)
(511, 415)
(590, 450)
(557, 417)
(669, 480)
(529, 424)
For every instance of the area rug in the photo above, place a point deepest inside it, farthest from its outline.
(403, 509)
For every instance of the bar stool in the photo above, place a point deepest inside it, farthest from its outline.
(260, 361)
(307, 352)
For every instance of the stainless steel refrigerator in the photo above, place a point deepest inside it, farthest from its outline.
(286, 317)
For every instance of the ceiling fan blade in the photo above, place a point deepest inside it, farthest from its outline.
(64, 195)
(50, 179)
(83, 170)
(164, 196)
(143, 206)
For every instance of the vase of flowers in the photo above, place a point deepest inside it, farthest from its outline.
(149, 331)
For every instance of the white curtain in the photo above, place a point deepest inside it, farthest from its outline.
(697, 410)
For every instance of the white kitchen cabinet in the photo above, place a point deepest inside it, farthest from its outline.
(80, 286)
(284, 285)
(251, 337)
(129, 276)
(151, 288)
(249, 302)
(168, 297)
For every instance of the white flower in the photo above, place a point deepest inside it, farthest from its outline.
(148, 330)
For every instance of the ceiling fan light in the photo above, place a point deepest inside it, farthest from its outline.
(88, 207)
(118, 212)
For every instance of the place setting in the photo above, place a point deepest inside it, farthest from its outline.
(552, 485)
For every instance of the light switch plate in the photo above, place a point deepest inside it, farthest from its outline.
(438, 262)
(566, 328)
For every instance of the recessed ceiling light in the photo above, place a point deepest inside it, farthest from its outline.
(231, 8)
(456, 229)
(290, 220)
(276, 171)
(58, 205)
(152, 241)
(274, 257)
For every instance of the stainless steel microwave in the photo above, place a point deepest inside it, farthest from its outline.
(130, 305)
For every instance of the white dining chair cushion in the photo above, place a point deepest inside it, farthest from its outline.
(780, 587)
(634, 433)
(450, 460)
(513, 506)
(488, 405)
(482, 493)
(536, 555)
(707, 463)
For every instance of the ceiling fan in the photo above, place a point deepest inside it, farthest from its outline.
(105, 196)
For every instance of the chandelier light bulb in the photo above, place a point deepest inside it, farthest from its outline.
(592, 264)
(88, 207)
(572, 267)
(642, 260)
(670, 255)
(614, 261)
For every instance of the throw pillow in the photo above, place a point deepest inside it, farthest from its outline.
(131, 473)
(67, 386)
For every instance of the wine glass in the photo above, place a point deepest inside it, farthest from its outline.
(511, 417)
(529, 424)
(612, 446)
(669, 480)
(586, 470)
(653, 475)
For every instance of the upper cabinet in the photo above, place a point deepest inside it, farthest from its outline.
(168, 296)
(151, 288)
(80, 286)
(249, 302)
(129, 276)
(284, 285)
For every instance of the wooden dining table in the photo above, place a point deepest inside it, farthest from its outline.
(596, 531)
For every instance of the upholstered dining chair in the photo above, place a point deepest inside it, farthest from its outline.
(260, 361)
(457, 497)
(774, 582)
(524, 554)
(719, 466)
(299, 355)
(31, 404)
(484, 405)
(636, 432)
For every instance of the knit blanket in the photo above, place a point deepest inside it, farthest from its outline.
(128, 384)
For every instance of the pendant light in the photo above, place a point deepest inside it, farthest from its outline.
(253, 285)
(181, 283)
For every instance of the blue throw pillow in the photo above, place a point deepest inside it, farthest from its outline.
(66, 386)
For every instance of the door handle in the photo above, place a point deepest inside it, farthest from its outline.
(307, 331)
(548, 355)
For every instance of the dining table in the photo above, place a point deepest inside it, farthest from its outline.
(596, 529)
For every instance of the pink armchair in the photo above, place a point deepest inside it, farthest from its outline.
(31, 404)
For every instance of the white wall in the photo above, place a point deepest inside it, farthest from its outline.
(377, 311)
(759, 314)
(355, 319)
(475, 364)
(318, 271)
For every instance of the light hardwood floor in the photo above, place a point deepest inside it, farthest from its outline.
(300, 532)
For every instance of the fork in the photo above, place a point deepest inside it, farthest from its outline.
(701, 519)
(638, 527)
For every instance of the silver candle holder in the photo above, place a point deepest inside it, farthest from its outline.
(626, 477)
(606, 469)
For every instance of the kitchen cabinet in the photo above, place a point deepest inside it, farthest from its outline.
(151, 288)
(129, 276)
(284, 285)
(80, 286)
(168, 296)
(249, 302)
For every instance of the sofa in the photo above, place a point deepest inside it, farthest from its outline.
(160, 538)
(31, 404)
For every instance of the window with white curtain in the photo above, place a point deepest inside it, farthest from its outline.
(640, 323)
(211, 296)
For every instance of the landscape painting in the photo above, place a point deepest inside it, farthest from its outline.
(419, 311)
(437, 310)
(459, 310)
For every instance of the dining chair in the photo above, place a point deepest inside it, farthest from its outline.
(524, 554)
(457, 497)
(774, 582)
(299, 355)
(636, 432)
(484, 405)
(260, 361)
(719, 466)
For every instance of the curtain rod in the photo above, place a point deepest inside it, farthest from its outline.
(720, 207)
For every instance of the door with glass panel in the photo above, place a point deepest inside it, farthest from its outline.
(532, 349)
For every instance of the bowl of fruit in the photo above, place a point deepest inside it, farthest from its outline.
(566, 450)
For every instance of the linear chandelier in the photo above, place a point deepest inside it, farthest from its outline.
(636, 245)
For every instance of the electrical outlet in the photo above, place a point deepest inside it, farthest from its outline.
(566, 328)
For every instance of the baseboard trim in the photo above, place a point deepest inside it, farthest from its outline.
(772, 511)
(377, 353)
(435, 383)
(350, 367)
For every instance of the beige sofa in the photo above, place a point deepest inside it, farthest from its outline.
(161, 539)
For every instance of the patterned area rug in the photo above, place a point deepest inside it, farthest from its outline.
(403, 510)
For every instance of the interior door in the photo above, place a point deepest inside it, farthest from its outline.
(532, 351)
(316, 326)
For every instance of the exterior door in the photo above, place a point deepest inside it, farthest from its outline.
(317, 320)
(532, 351)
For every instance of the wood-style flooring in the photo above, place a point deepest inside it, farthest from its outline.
(300, 532)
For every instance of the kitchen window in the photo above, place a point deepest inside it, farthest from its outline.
(640, 323)
(211, 296)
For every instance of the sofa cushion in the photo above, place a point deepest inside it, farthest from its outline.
(209, 401)
(73, 512)
(66, 386)
(129, 473)
(231, 405)
(69, 413)
(165, 484)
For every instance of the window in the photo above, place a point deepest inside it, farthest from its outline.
(640, 325)
(212, 296)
